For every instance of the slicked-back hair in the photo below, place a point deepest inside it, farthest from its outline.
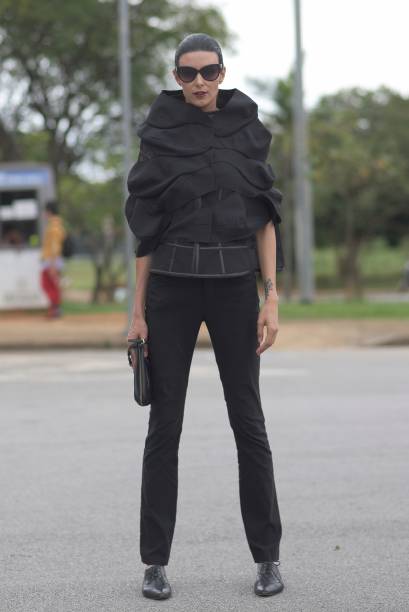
(198, 42)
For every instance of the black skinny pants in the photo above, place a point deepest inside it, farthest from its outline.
(175, 309)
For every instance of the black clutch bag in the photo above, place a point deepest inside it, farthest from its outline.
(142, 378)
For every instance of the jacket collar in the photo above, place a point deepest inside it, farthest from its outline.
(170, 110)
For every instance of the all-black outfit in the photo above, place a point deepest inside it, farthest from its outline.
(197, 194)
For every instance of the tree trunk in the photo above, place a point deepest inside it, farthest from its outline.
(349, 260)
(349, 270)
(106, 274)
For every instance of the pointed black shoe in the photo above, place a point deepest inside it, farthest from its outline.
(269, 581)
(155, 583)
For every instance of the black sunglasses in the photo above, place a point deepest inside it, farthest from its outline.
(187, 74)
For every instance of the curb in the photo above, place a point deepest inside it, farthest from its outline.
(109, 331)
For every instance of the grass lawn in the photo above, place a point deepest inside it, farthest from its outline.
(381, 266)
(318, 310)
(381, 270)
(351, 309)
(79, 272)
(70, 307)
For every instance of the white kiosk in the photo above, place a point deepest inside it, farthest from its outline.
(24, 190)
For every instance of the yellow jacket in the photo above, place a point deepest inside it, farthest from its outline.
(53, 238)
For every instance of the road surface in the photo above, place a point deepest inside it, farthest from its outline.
(72, 443)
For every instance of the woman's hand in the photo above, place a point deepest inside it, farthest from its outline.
(138, 329)
(268, 317)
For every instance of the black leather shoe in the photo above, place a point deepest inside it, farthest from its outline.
(269, 581)
(155, 583)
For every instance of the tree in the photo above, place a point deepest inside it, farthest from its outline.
(60, 75)
(94, 210)
(60, 103)
(360, 156)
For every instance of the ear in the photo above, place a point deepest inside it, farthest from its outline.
(222, 74)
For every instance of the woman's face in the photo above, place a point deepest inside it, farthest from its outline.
(198, 59)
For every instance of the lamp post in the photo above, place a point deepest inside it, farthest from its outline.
(125, 72)
(303, 217)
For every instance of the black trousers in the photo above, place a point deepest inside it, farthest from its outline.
(175, 309)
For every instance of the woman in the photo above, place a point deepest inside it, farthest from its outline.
(202, 205)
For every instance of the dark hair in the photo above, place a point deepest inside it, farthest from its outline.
(52, 207)
(198, 42)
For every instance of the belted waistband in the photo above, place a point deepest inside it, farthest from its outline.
(186, 258)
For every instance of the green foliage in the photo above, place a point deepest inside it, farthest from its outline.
(360, 155)
(60, 68)
(60, 65)
(85, 205)
(96, 211)
(60, 103)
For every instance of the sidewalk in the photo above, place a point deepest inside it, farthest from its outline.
(109, 330)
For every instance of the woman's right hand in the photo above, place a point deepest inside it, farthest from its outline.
(138, 329)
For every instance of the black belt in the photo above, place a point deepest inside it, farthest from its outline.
(184, 258)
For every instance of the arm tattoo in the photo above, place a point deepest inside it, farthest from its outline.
(268, 285)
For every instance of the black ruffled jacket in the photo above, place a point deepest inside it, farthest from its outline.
(187, 155)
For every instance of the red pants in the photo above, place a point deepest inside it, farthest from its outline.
(51, 286)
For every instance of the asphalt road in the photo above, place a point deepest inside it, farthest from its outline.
(71, 451)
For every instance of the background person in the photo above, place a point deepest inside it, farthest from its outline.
(52, 261)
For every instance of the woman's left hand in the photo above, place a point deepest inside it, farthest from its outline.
(267, 318)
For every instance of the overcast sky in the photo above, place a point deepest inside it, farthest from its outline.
(346, 43)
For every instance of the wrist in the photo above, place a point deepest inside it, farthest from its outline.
(138, 313)
(270, 289)
(272, 298)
